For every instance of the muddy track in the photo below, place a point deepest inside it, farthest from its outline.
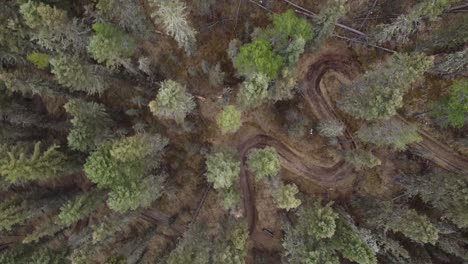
(323, 109)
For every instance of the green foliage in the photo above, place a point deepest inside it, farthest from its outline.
(352, 247)
(80, 207)
(229, 120)
(379, 93)
(453, 63)
(331, 128)
(231, 246)
(173, 16)
(253, 92)
(124, 169)
(14, 212)
(194, 248)
(18, 163)
(76, 76)
(264, 162)
(285, 87)
(43, 229)
(35, 254)
(129, 15)
(285, 198)
(405, 26)
(222, 169)
(41, 60)
(110, 45)
(446, 192)
(361, 159)
(389, 133)
(172, 101)
(229, 197)
(288, 25)
(453, 110)
(319, 221)
(414, 226)
(90, 124)
(328, 17)
(258, 57)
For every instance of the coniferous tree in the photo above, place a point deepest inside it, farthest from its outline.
(111, 45)
(76, 76)
(264, 162)
(285, 87)
(446, 192)
(390, 133)
(230, 246)
(222, 169)
(91, 125)
(453, 63)
(253, 92)
(19, 163)
(194, 247)
(285, 198)
(80, 207)
(41, 60)
(14, 212)
(406, 25)
(172, 102)
(361, 158)
(328, 17)
(258, 57)
(453, 110)
(331, 128)
(379, 93)
(229, 119)
(172, 15)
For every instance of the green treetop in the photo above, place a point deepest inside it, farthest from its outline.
(379, 93)
(258, 57)
(391, 133)
(320, 221)
(229, 119)
(264, 162)
(194, 247)
(91, 124)
(328, 17)
(172, 101)
(285, 198)
(41, 60)
(80, 207)
(253, 92)
(222, 169)
(288, 24)
(361, 158)
(76, 76)
(14, 212)
(20, 163)
(453, 110)
(110, 45)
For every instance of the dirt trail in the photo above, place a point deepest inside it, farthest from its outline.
(323, 109)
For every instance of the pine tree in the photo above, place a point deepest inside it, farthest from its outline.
(285, 198)
(91, 125)
(14, 212)
(19, 163)
(285, 87)
(76, 76)
(446, 192)
(379, 93)
(407, 25)
(253, 92)
(229, 119)
(391, 133)
(361, 158)
(230, 247)
(194, 247)
(173, 16)
(331, 128)
(264, 162)
(452, 64)
(111, 45)
(222, 169)
(328, 17)
(172, 102)
(129, 15)
(453, 110)
(80, 207)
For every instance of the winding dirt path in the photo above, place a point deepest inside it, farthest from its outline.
(323, 109)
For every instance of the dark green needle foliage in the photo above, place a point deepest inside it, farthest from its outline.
(33, 254)
(378, 94)
(14, 212)
(361, 158)
(194, 247)
(453, 109)
(20, 163)
(80, 207)
(91, 125)
(110, 45)
(328, 17)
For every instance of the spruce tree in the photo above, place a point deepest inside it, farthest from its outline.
(378, 94)
(229, 119)
(111, 45)
(328, 17)
(172, 15)
(80, 207)
(14, 212)
(194, 247)
(91, 125)
(264, 162)
(222, 169)
(361, 158)
(20, 163)
(253, 92)
(331, 128)
(285, 198)
(172, 102)
(452, 64)
(453, 109)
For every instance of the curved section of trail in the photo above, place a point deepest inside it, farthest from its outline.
(321, 106)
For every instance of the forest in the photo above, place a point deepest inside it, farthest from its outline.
(233, 131)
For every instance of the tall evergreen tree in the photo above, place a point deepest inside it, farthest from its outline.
(328, 17)
(453, 109)
(80, 207)
(379, 92)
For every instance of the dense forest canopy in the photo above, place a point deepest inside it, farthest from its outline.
(204, 131)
